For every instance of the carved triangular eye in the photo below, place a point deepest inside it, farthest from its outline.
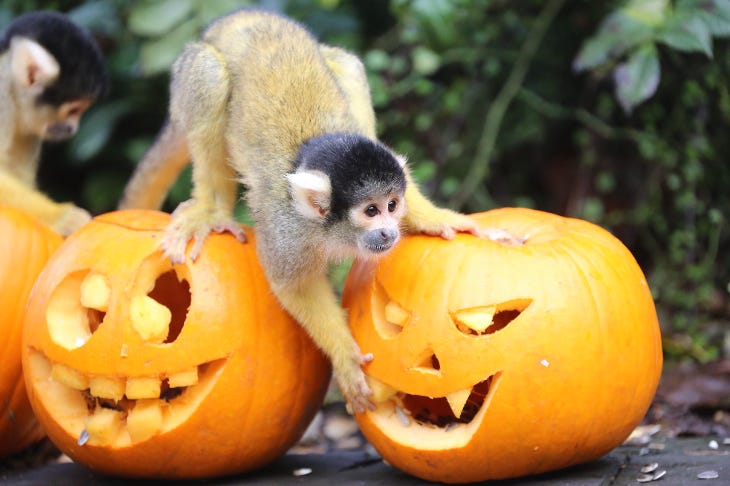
(488, 319)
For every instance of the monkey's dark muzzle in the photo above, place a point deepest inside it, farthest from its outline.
(381, 240)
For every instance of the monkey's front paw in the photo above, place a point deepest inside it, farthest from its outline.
(193, 221)
(72, 217)
(446, 223)
(355, 388)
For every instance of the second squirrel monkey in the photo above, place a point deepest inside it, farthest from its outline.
(259, 98)
(51, 71)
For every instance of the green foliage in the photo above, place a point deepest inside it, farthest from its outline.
(618, 112)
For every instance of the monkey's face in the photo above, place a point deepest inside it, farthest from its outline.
(64, 120)
(377, 223)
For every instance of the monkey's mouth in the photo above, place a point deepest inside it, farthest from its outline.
(432, 422)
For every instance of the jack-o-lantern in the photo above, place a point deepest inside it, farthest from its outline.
(494, 361)
(140, 368)
(25, 245)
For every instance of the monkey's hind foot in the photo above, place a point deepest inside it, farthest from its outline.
(193, 221)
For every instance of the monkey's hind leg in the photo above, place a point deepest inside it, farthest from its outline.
(198, 108)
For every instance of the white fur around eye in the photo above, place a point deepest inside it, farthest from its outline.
(310, 191)
(32, 64)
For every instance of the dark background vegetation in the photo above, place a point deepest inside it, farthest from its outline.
(617, 112)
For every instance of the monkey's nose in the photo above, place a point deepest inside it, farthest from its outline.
(382, 239)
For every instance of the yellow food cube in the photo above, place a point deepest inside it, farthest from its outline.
(70, 377)
(144, 420)
(149, 318)
(95, 292)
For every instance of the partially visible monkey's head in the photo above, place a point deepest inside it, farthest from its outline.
(57, 73)
(354, 189)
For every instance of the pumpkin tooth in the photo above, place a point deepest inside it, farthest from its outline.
(95, 292)
(107, 387)
(395, 314)
(149, 318)
(381, 391)
(143, 387)
(183, 378)
(478, 319)
(69, 377)
(457, 400)
(144, 420)
(103, 426)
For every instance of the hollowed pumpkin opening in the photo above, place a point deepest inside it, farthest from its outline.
(106, 410)
(175, 295)
(434, 422)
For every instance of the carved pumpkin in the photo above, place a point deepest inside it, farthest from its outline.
(25, 245)
(140, 368)
(495, 361)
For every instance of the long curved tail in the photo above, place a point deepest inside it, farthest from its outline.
(157, 171)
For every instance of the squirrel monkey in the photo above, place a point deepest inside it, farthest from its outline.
(259, 98)
(51, 71)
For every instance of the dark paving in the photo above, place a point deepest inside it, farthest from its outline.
(684, 460)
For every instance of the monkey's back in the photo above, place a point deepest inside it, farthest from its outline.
(283, 93)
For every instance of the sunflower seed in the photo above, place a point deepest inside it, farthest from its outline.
(402, 416)
(708, 475)
(83, 438)
(713, 445)
(649, 468)
(645, 478)
(659, 474)
(302, 471)
(726, 441)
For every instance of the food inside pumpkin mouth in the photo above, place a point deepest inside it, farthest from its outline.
(102, 410)
(432, 422)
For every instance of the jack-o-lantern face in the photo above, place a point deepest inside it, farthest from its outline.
(494, 361)
(130, 358)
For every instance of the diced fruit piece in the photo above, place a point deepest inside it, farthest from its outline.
(381, 391)
(103, 426)
(95, 292)
(149, 318)
(69, 377)
(107, 387)
(144, 420)
(457, 400)
(395, 314)
(183, 378)
(478, 318)
(143, 387)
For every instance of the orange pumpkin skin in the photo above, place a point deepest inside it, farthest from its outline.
(25, 245)
(560, 334)
(257, 379)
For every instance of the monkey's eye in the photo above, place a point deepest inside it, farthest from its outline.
(392, 204)
(372, 211)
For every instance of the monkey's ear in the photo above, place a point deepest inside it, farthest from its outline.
(32, 65)
(311, 191)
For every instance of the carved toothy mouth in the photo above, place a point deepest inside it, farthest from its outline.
(102, 410)
(432, 422)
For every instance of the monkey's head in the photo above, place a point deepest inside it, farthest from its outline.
(57, 73)
(354, 189)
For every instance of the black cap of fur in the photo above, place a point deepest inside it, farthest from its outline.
(83, 74)
(358, 168)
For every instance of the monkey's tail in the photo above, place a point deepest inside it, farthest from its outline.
(157, 171)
